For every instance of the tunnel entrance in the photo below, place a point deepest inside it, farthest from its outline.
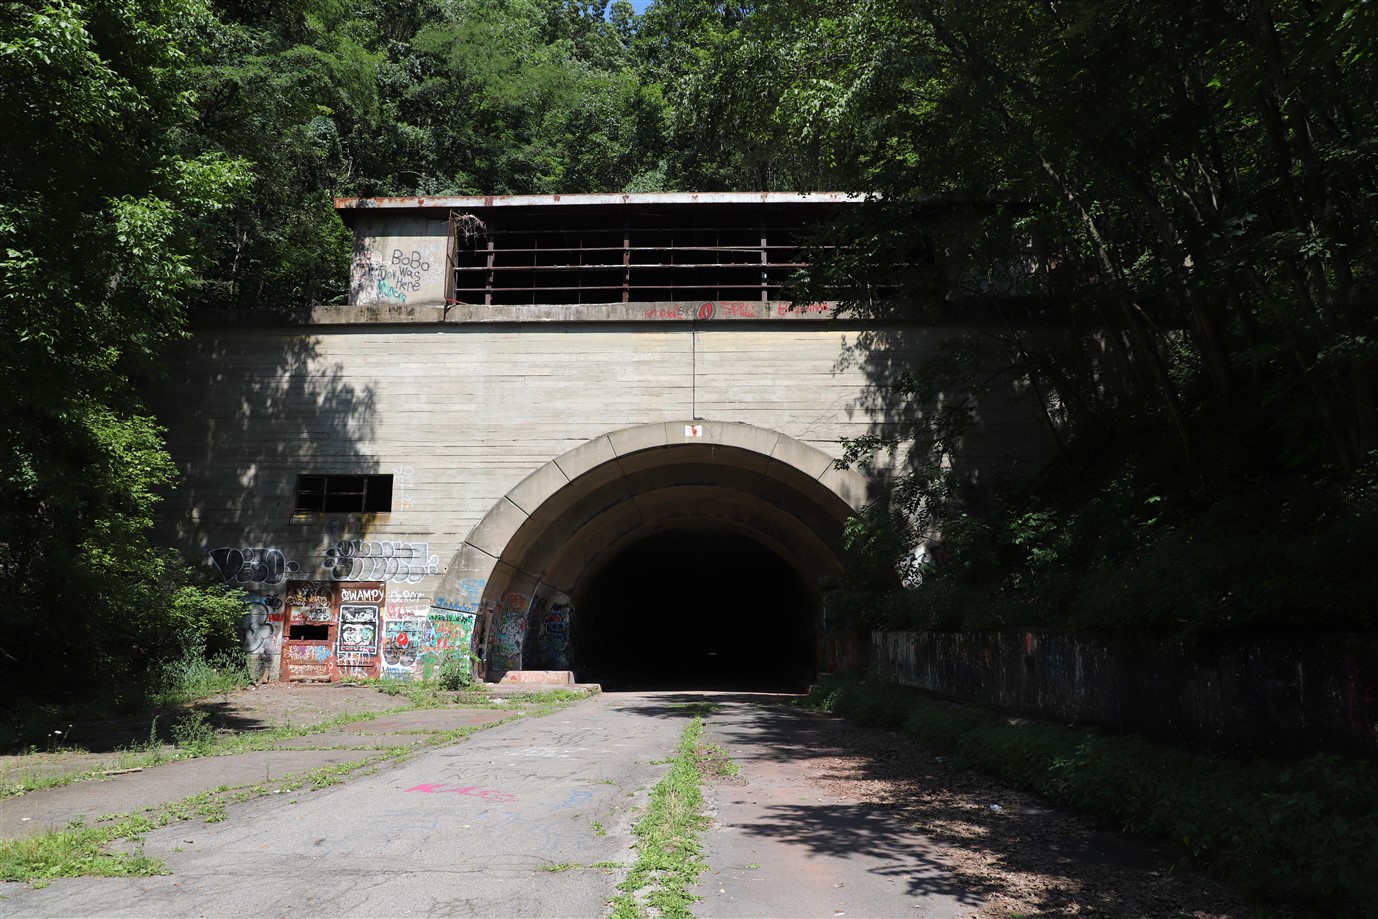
(696, 608)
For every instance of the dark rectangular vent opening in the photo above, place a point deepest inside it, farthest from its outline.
(344, 493)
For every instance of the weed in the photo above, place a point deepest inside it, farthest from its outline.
(716, 762)
(78, 852)
(193, 735)
(573, 866)
(668, 852)
(194, 677)
(598, 829)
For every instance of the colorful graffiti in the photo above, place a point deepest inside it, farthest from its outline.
(509, 632)
(404, 641)
(451, 636)
(466, 598)
(357, 647)
(307, 661)
(553, 642)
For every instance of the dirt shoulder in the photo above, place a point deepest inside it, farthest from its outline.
(1021, 855)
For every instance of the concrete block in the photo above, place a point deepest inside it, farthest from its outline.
(538, 487)
(849, 485)
(746, 437)
(809, 460)
(586, 457)
(496, 528)
(643, 437)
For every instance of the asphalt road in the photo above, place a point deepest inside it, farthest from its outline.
(512, 822)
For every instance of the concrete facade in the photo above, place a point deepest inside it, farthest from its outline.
(527, 446)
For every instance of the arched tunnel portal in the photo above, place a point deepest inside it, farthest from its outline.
(647, 559)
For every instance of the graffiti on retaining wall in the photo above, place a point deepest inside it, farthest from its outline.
(404, 640)
(260, 630)
(509, 632)
(309, 602)
(307, 662)
(406, 604)
(554, 638)
(379, 278)
(380, 560)
(357, 649)
(254, 565)
(451, 636)
(403, 479)
(466, 598)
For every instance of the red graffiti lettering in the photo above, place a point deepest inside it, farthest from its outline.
(705, 311)
(473, 791)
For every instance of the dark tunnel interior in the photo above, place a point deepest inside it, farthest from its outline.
(695, 609)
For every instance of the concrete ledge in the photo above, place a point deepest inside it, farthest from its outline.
(556, 677)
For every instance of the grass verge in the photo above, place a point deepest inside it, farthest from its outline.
(1304, 830)
(667, 848)
(194, 735)
(82, 851)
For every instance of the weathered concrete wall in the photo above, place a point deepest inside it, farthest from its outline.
(399, 260)
(460, 414)
(1266, 692)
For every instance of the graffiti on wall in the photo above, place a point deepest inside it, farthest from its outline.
(553, 641)
(404, 641)
(357, 648)
(466, 597)
(406, 604)
(451, 636)
(309, 602)
(380, 560)
(403, 480)
(254, 565)
(509, 632)
(260, 630)
(307, 662)
(387, 277)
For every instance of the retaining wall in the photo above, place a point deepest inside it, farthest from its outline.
(1276, 693)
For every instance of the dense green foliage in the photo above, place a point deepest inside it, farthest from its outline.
(96, 202)
(1305, 830)
(1166, 217)
(1164, 214)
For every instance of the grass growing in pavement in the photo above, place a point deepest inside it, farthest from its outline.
(195, 736)
(667, 848)
(1305, 829)
(81, 850)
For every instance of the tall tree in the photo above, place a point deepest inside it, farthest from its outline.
(95, 213)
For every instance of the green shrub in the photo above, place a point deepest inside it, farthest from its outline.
(193, 735)
(456, 672)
